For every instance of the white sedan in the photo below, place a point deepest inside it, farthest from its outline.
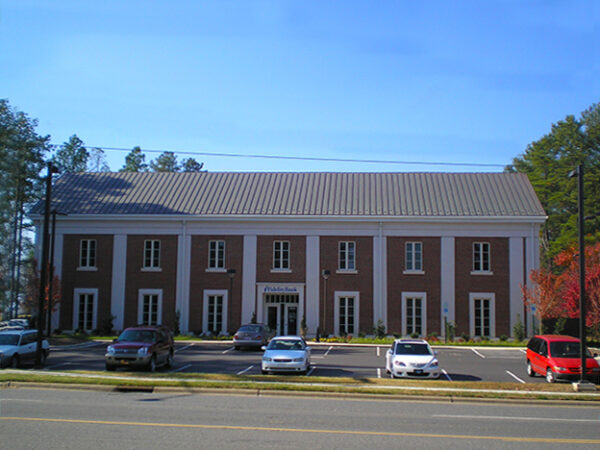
(411, 358)
(286, 354)
(19, 346)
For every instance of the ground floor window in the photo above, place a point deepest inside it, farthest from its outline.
(346, 313)
(481, 311)
(85, 309)
(150, 306)
(215, 312)
(414, 314)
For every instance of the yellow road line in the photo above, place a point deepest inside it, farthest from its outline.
(305, 430)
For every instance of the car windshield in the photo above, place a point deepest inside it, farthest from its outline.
(412, 349)
(567, 349)
(9, 339)
(286, 344)
(251, 329)
(137, 336)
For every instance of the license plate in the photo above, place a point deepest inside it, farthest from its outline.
(124, 362)
(419, 371)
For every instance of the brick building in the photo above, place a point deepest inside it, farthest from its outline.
(342, 250)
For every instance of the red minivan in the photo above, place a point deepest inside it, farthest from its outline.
(559, 357)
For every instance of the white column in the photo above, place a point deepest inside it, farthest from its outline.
(515, 263)
(379, 295)
(249, 278)
(182, 290)
(119, 266)
(312, 284)
(532, 261)
(447, 280)
(58, 260)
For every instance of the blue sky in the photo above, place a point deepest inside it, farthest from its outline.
(436, 81)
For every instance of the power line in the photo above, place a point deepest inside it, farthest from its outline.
(306, 158)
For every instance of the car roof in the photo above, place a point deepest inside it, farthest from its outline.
(145, 327)
(289, 337)
(411, 341)
(557, 337)
(16, 330)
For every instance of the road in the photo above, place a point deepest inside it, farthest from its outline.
(58, 419)
(457, 363)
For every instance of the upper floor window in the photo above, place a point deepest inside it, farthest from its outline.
(281, 255)
(152, 254)
(414, 256)
(347, 255)
(481, 256)
(87, 253)
(216, 254)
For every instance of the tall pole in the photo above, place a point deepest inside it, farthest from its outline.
(582, 311)
(43, 271)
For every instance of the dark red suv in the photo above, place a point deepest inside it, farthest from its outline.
(559, 357)
(144, 346)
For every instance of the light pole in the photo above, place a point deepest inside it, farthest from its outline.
(44, 271)
(578, 172)
(231, 275)
(325, 274)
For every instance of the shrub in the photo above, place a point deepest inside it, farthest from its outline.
(519, 329)
(379, 329)
(559, 325)
(503, 338)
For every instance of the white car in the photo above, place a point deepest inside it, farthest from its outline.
(286, 354)
(412, 358)
(19, 346)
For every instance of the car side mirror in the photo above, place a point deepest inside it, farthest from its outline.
(308, 349)
(263, 348)
(435, 352)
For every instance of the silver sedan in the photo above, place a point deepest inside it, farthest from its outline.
(286, 354)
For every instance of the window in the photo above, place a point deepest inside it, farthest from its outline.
(347, 256)
(481, 256)
(216, 254)
(87, 253)
(85, 307)
(414, 313)
(414, 256)
(346, 315)
(149, 309)
(482, 315)
(215, 313)
(151, 254)
(281, 255)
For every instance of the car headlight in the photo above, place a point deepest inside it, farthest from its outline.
(399, 363)
(433, 363)
(298, 359)
(266, 358)
(560, 369)
(110, 350)
(143, 351)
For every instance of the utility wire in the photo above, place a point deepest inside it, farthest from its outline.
(305, 158)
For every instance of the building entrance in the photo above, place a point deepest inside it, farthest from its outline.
(281, 311)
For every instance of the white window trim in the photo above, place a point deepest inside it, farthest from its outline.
(141, 293)
(76, 293)
(487, 296)
(481, 271)
(93, 268)
(346, 270)
(146, 268)
(423, 297)
(336, 309)
(207, 293)
(217, 268)
(289, 259)
(412, 271)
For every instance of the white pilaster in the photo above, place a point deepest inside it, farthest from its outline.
(119, 266)
(448, 289)
(515, 263)
(378, 278)
(58, 260)
(312, 284)
(249, 278)
(182, 292)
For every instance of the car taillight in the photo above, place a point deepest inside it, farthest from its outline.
(235, 337)
(257, 336)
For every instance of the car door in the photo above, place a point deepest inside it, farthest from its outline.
(27, 347)
(163, 346)
(542, 358)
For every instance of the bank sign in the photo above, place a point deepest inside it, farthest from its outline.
(281, 290)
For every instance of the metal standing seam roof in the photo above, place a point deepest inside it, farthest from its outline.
(296, 194)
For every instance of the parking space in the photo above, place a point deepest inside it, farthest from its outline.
(457, 363)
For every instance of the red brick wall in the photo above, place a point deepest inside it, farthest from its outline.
(362, 281)
(498, 283)
(200, 279)
(137, 279)
(73, 278)
(429, 282)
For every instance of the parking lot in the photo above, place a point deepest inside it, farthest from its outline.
(457, 363)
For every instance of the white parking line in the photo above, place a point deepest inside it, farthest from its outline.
(312, 368)
(182, 368)
(378, 355)
(522, 351)
(327, 352)
(516, 377)
(241, 372)
(477, 353)
(228, 350)
(183, 348)
(378, 371)
(446, 375)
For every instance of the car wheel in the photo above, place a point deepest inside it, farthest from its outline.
(110, 368)
(14, 361)
(530, 370)
(43, 357)
(264, 372)
(152, 364)
(169, 362)
(550, 377)
(237, 347)
(392, 375)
